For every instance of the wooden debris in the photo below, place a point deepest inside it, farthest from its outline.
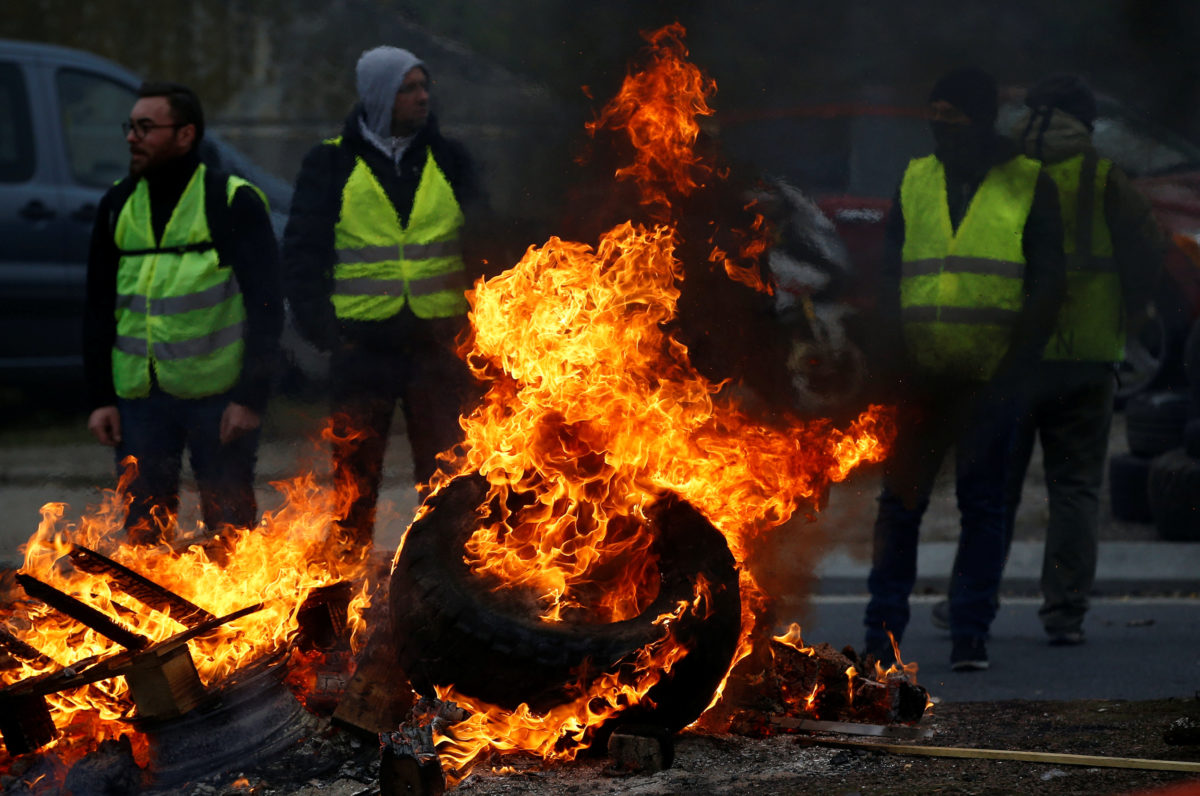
(25, 722)
(378, 696)
(139, 587)
(82, 612)
(322, 617)
(164, 683)
(642, 749)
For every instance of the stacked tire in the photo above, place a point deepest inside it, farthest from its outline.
(1158, 481)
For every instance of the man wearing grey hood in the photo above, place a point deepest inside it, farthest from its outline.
(1115, 252)
(377, 256)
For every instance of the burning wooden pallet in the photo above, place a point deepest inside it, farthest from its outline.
(162, 677)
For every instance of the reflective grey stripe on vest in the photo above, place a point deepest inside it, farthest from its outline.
(176, 305)
(184, 349)
(964, 265)
(365, 286)
(972, 315)
(411, 251)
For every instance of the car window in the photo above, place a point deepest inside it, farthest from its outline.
(16, 131)
(93, 108)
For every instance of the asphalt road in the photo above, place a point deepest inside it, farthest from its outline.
(1137, 648)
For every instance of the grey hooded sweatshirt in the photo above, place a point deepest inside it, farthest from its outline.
(1138, 241)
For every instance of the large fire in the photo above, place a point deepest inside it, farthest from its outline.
(593, 413)
(277, 564)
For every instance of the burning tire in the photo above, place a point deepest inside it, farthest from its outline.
(451, 629)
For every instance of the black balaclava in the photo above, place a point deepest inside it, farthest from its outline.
(966, 149)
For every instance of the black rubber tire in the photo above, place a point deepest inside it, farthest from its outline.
(1191, 438)
(1154, 422)
(1127, 476)
(451, 629)
(1174, 491)
(1191, 366)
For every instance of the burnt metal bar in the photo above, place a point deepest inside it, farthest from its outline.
(138, 586)
(81, 612)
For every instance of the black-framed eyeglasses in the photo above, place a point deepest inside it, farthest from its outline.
(143, 127)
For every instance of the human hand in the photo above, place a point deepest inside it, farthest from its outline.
(105, 425)
(236, 421)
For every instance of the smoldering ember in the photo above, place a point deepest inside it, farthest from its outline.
(571, 609)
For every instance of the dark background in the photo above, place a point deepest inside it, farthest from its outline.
(277, 75)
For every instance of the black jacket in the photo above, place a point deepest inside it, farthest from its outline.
(1045, 274)
(308, 241)
(245, 242)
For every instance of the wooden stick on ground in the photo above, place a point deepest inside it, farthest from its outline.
(1005, 754)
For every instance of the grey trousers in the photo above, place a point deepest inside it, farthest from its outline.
(1070, 412)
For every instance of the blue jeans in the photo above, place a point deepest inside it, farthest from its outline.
(982, 433)
(155, 430)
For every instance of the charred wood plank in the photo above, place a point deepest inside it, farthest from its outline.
(92, 670)
(138, 586)
(164, 683)
(322, 616)
(379, 695)
(82, 612)
(22, 651)
(25, 723)
(642, 749)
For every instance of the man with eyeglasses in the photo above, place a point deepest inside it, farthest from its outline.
(182, 323)
(376, 261)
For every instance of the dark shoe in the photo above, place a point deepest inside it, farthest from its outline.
(1066, 638)
(969, 654)
(940, 616)
(879, 651)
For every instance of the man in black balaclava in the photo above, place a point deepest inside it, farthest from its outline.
(971, 281)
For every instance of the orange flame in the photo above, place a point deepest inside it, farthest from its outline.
(278, 563)
(657, 107)
(594, 411)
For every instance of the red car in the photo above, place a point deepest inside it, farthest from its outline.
(849, 157)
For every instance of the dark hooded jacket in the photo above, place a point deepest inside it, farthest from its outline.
(308, 241)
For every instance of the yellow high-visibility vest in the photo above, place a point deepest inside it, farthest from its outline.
(179, 311)
(382, 264)
(961, 290)
(1090, 325)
